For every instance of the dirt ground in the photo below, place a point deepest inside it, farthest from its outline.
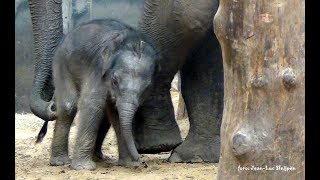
(32, 160)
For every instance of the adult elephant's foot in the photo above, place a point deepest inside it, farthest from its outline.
(162, 139)
(83, 164)
(59, 160)
(197, 149)
(155, 127)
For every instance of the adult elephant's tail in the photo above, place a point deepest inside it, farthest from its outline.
(46, 16)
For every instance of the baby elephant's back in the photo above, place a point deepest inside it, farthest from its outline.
(89, 37)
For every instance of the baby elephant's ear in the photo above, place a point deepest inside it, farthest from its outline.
(106, 54)
(111, 44)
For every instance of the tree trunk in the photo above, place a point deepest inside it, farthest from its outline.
(264, 70)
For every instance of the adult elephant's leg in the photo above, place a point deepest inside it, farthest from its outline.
(202, 90)
(155, 128)
(102, 132)
(46, 16)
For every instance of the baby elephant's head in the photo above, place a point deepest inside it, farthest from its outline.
(130, 74)
(134, 68)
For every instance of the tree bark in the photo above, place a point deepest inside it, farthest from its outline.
(264, 70)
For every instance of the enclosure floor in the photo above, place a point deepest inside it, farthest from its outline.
(32, 160)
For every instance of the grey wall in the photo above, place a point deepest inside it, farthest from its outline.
(127, 11)
(23, 56)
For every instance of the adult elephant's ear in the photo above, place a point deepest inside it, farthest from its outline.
(112, 43)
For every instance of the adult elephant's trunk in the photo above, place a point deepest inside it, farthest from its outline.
(46, 16)
(126, 113)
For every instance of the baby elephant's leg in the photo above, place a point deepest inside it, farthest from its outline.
(124, 157)
(91, 111)
(103, 129)
(66, 110)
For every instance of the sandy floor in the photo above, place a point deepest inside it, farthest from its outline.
(32, 160)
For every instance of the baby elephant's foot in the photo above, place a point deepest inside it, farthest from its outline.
(99, 156)
(83, 164)
(129, 163)
(60, 160)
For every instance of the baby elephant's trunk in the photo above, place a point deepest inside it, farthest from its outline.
(126, 113)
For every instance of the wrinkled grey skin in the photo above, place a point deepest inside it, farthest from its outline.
(46, 17)
(103, 71)
(183, 30)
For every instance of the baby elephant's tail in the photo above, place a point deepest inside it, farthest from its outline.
(42, 132)
(51, 113)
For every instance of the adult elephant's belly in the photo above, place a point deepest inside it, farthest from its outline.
(177, 27)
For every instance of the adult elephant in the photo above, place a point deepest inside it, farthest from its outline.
(183, 31)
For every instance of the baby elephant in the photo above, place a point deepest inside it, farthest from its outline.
(102, 70)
